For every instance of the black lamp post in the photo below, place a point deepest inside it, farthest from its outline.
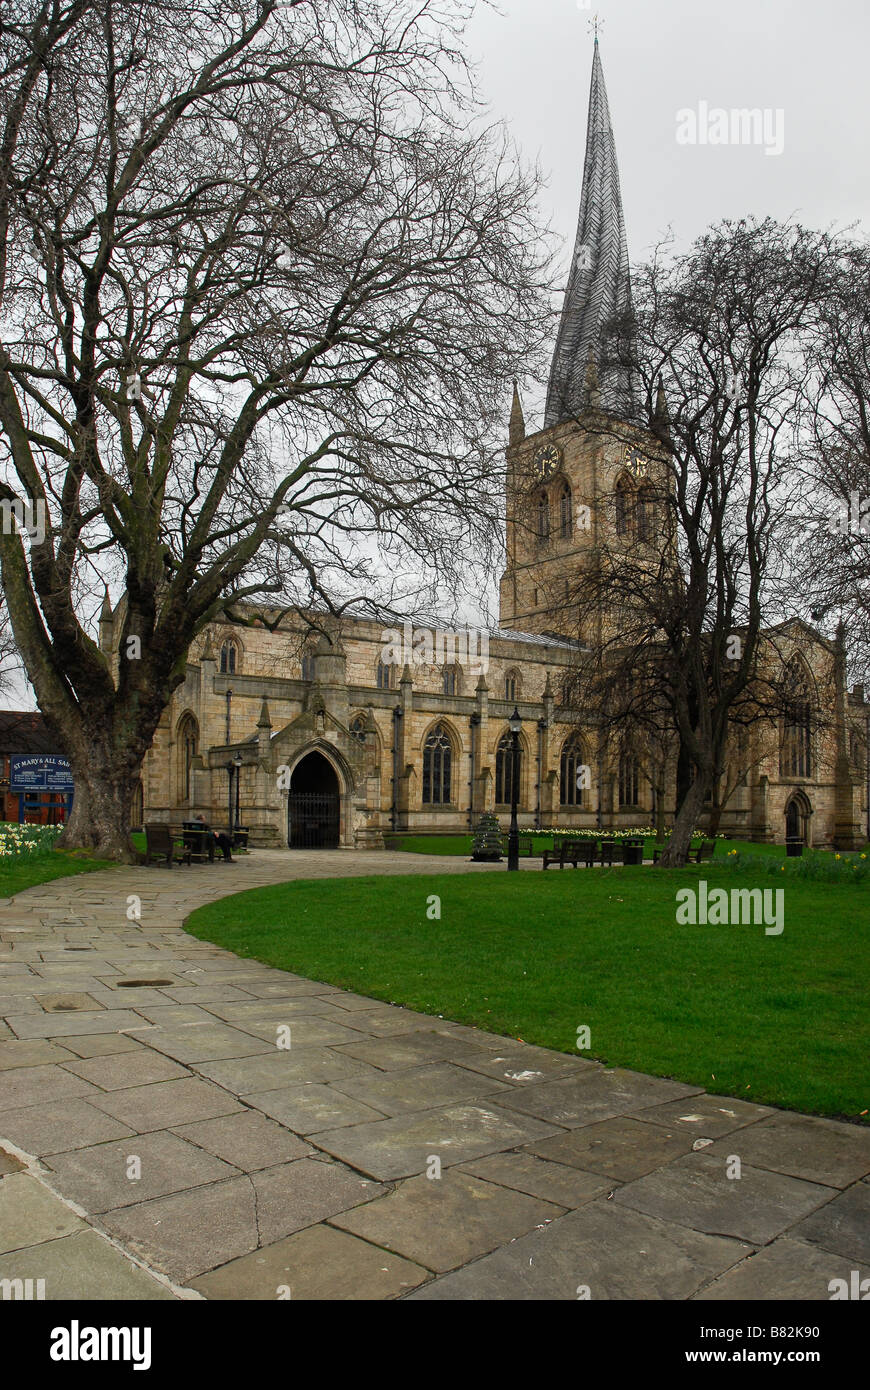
(237, 764)
(230, 766)
(515, 723)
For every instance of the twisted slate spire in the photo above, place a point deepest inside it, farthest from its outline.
(598, 282)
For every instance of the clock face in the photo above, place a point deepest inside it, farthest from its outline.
(635, 462)
(547, 460)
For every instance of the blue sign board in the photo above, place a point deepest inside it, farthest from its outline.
(39, 772)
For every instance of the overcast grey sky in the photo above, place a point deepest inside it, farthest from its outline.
(808, 60)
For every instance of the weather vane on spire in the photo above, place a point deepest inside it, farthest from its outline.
(595, 24)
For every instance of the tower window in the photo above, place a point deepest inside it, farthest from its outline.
(450, 681)
(229, 659)
(384, 677)
(542, 517)
(511, 686)
(565, 513)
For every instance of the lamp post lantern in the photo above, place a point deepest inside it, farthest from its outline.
(515, 723)
(230, 766)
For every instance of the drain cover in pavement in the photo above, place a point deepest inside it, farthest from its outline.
(66, 1003)
(140, 984)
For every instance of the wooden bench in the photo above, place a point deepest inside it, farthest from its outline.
(161, 843)
(571, 852)
(199, 843)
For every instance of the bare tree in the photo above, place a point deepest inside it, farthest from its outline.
(263, 278)
(679, 596)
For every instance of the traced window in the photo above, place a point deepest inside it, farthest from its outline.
(504, 770)
(512, 686)
(450, 680)
(358, 728)
(624, 506)
(796, 749)
(437, 758)
(188, 743)
(565, 512)
(573, 772)
(629, 781)
(385, 677)
(645, 514)
(542, 517)
(229, 658)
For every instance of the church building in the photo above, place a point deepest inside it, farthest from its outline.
(368, 730)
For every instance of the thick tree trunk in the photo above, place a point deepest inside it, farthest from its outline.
(102, 807)
(677, 849)
(660, 812)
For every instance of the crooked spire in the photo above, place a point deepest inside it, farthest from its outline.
(598, 283)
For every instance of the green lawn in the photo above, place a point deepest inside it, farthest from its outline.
(18, 874)
(776, 1019)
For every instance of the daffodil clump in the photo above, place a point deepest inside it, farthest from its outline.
(26, 841)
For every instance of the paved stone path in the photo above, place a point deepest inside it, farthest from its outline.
(156, 1142)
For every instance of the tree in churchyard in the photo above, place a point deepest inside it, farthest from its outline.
(686, 573)
(834, 528)
(263, 277)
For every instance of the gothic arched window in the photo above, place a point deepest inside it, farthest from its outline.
(796, 748)
(188, 744)
(504, 770)
(384, 676)
(229, 659)
(512, 686)
(624, 506)
(629, 780)
(565, 512)
(573, 772)
(542, 517)
(645, 514)
(450, 681)
(437, 758)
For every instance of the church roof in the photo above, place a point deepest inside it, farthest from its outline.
(599, 286)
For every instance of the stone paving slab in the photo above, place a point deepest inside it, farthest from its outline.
(696, 1191)
(320, 1263)
(819, 1150)
(83, 1267)
(400, 1148)
(29, 1214)
(248, 1141)
(596, 1094)
(98, 1178)
(843, 1227)
(602, 1248)
(787, 1269)
(443, 1223)
(622, 1148)
(217, 1157)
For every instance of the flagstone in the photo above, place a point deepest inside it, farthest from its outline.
(392, 1054)
(120, 1071)
(403, 1146)
(806, 1147)
(696, 1191)
(843, 1226)
(320, 1263)
(248, 1141)
(190, 1232)
(29, 1213)
(418, 1088)
(165, 1103)
(599, 1252)
(444, 1222)
(83, 1267)
(310, 1107)
(281, 1067)
(552, 1182)
(785, 1270)
(621, 1148)
(572, 1101)
(104, 1176)
(61, 1125)
(706, 1116)
(39, 1085)
(61, 1025)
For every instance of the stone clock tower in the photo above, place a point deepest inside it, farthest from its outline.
(593, 459)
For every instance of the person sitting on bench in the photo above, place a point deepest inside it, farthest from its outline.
(224, 841)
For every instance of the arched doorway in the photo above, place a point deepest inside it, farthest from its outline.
(314, 805)
(797, 814)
